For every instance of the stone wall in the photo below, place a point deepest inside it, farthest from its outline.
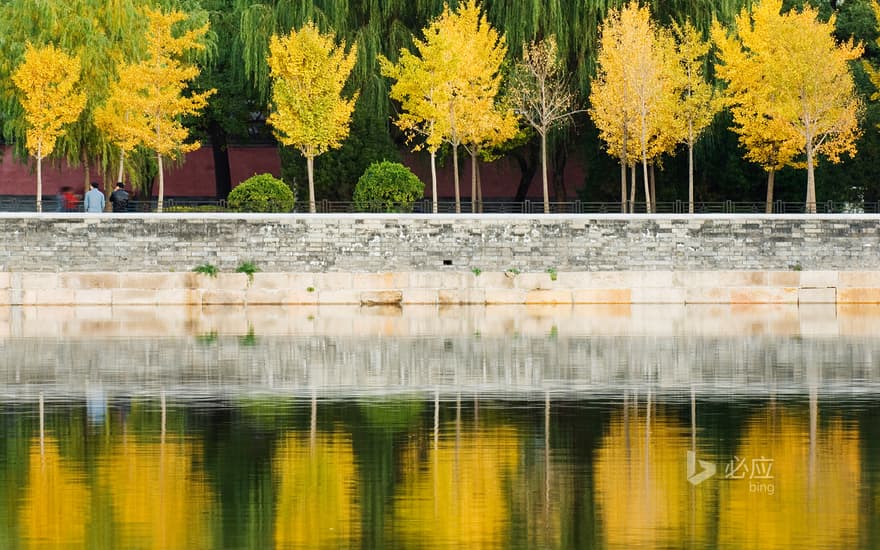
(415, 243)
(144, 259)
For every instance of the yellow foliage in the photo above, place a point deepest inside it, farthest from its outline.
(47, 79)
(308, 73)
(317, 505)
(57, 502)
(158, 496)
(455, 498)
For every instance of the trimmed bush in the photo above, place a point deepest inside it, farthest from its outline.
(387, 187)
(261, 193)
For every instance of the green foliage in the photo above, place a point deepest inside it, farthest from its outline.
(261, 193)
(476, 271)
(388, 187)
(310, 289)
(207, 269)
(552, 272)
(248, 268)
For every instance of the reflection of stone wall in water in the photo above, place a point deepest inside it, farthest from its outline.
(346, 365)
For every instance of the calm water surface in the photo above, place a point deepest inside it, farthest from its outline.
(602, 427)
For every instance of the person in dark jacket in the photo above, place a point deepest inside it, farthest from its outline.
(119, 198)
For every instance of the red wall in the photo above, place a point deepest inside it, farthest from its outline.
(195, 176)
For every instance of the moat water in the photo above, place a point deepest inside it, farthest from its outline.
(507, 427)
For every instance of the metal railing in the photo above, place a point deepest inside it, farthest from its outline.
(425, 206)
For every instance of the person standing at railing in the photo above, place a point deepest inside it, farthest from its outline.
(94, 201)
(119, 198)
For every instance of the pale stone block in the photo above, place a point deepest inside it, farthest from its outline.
(818, 279)
(454, 296)
(492, 280)
(504, 296)
(333, 281)
(347, 296)
(654, 295)
(858, 295)
(783, 278)
(270, 281)
(5, 280)
(817, 295)
(85, 281)
(24, 298)
(818, 319)
(265, 296)
(379, 281)
(232, 281)
(714, 279)
(301, 281)
(657, 279)
(381, 297)
(602, 296)
(176, 296)
(37, 281)
(93, 296)
(765, 295)
(548, 297)
(534, 281)
(141, 281)
(858, 279)
(455, 279)
(223, 297)
(175, 280)
(130, 296)
(300, 296)
(5, 299)
(608, 280)
(419, 296)
(425, 279)
(707, 295)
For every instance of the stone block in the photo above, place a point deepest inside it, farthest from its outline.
(657, 295)
(176, 296)
(818, 279)
(783, 278)
(130, 297)
(707, 295)
(495, 280)
(602, 296)
(425, 279)
(381, 297)
(758, 295)
(534, 281)
(851, 295)
(419, 296)
(817, 295)
(457, 296)
(93, 296)
(331, 297)
(504, 296)
(548, 297)
(210, 297)
(333, 281)
(270, 281)
(300, 296)
(858, 279)
(379, 281)
(39, 281)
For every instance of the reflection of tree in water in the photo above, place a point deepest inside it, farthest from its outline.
(56, 506)
(317, 484)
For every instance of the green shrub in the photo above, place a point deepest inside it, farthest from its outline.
(261, 193)
(387, 187)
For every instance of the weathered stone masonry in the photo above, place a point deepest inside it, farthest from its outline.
(439, 258)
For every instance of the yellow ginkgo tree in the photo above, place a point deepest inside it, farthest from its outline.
(148, 99)
(47, 80)
(791, 80)
(309, 112)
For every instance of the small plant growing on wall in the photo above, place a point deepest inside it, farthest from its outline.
(207, 269)
(552, 272)
(476, 271)
(512, 272)
(248, 268)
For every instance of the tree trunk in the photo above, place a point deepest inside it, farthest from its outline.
(769, 206)
(811, 180)
(220, 150)
(544, 173)
(84, 158)
(690, 168)
(121, 172)
(40, 177)
(653, 177)
(434, 180)
(473, 180)
(645, 168)
(632, 188)
(455, 178)
(161, 198)
(623, 207)
(310, 168)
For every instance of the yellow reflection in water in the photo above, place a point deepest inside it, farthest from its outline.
(160, 500)
(815, 487)
(642, 494)
(56, 508)
(457, 496)
(316, 505)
